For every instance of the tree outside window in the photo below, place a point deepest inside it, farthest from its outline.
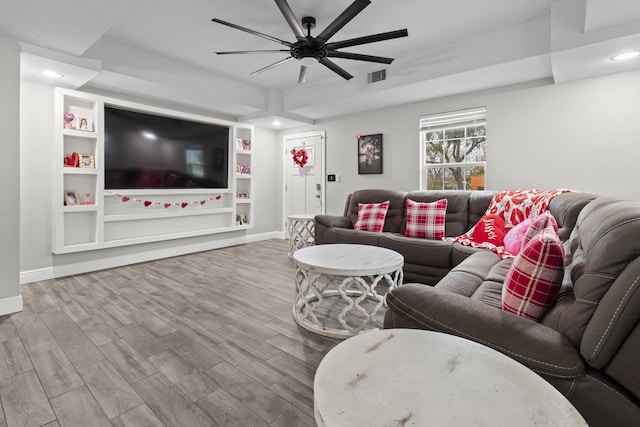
(454, 150)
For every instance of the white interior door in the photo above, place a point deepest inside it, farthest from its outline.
(304, 186)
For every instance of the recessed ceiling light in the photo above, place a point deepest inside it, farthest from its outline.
(276, 123)
(149, 135)
(51, 74)
(626, 55)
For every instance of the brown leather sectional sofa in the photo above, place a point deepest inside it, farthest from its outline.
(588, 343)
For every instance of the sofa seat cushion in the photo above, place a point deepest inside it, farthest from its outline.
(415, 250)
(537, 346)
(478, 277)
(348, 235)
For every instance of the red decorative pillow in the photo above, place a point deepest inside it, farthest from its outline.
(533, 280)
(426, 220)
(371, 216)
(490, 229)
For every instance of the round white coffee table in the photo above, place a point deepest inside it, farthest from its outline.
(302, 231)
(340, 282)
(409, 377)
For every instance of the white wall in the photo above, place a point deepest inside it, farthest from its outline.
(10, 299)
(580, 135)
(38, 262)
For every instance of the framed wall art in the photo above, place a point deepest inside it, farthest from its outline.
(370, 154)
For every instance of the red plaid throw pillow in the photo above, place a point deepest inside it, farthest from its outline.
(426, 220)
(533, 280)
(371, 216)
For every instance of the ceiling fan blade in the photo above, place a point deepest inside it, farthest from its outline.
(304, 70)
(359, 57)
(349, 13)
(235, 52)
(291, 19)
(335, 68)
(268, 67)
(255, 33)
(367, 39)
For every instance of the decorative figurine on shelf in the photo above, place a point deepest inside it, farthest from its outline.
(68, 120)
(86, 199)
(72, 160)
(245, 169)
(241, 219)
(246, 144)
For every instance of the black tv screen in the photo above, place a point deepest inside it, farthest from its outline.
(146, 151)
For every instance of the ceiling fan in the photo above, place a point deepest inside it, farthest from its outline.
(318, 47)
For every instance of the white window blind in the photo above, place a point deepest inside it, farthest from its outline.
(453, 119)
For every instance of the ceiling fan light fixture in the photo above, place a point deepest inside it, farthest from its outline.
(309, 49)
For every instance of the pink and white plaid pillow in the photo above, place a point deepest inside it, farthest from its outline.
(426, 220)
(533, 280)
(371, 216)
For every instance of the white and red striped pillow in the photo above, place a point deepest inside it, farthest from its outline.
(426, 220)
(371, 216)
(533, 280)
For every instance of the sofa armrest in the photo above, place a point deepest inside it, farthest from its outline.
(536, 346)
(334, 221)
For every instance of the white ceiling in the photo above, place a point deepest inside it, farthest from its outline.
(164, 50)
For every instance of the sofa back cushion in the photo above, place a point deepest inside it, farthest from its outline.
(457, 220)
(479, 202)
(599, 307)
(395, 213)
(565, 208)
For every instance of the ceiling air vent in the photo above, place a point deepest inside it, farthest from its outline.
(377, 76)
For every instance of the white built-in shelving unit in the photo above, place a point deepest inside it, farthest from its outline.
(108, 221)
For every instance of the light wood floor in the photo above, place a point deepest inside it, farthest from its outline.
(200, 340)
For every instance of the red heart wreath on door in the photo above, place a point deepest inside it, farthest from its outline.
(300, 157)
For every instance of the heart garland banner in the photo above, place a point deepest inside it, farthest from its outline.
(166, 205)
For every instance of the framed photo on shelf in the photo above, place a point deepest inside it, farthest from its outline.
(370, 154)
(86, 161)
(71, 198)
(84, 123)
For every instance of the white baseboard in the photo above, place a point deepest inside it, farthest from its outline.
(10, 305)
(118, 261)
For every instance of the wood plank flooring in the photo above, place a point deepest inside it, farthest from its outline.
(206, 339)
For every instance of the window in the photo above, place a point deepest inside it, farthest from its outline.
(454, 150)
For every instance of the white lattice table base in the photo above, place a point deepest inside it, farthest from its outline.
(340, 288)
(302, 232)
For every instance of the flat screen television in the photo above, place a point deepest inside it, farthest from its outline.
(147, 151)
